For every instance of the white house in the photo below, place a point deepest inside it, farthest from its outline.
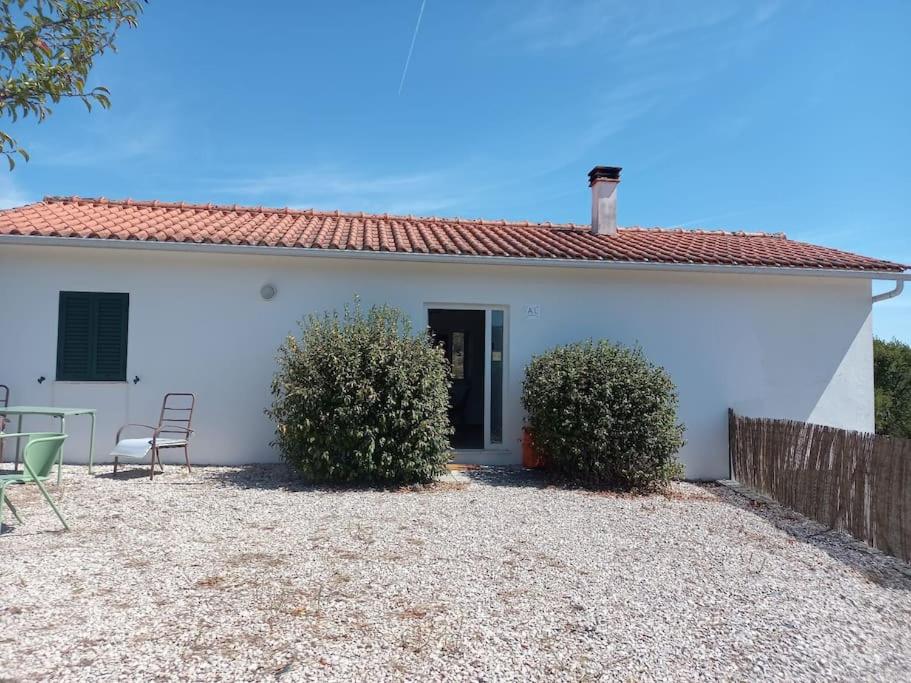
(110, 304)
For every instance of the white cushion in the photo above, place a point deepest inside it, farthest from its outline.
(139, 448)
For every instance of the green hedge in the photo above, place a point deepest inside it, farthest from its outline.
(603, 416)
(361, 399)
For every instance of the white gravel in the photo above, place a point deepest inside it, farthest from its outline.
(237, 574)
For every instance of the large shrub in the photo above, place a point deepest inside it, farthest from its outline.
(603, 416)
(360, 398)
(892, 380)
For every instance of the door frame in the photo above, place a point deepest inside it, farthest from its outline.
(488, 340)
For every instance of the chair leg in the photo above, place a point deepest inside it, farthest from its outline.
(50, 502)
(10, 505)
(116, 461)
(152, 464)
(186, 455)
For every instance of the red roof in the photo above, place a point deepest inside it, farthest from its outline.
(74, 217)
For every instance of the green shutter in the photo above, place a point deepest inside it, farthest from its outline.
(110, 358)
(92, 336)
(74, 336)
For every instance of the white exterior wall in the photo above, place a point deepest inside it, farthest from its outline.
(790, 347)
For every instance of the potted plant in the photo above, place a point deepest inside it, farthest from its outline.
(530, 456)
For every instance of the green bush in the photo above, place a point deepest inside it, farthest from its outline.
(603, 416)
(892, 379)
(360, 399)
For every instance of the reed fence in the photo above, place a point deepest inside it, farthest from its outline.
(855, 481)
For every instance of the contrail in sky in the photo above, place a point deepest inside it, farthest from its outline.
(414, 37)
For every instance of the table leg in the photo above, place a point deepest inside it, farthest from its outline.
(60, 460)
(92, 443)
(18, 441)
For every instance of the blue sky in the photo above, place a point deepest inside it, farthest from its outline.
(792, 116)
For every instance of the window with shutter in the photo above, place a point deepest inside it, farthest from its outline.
(92, 336)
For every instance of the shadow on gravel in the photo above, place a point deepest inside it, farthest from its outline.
(879, 568)
(515, 476)
(270, 476)
(280, 476)
(131, 472)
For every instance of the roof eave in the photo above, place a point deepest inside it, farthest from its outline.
(207, 247)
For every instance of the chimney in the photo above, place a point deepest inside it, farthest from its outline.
(604, 180)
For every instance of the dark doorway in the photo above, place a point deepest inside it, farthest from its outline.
(462, 336)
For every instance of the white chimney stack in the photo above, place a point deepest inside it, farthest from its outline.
(604, 180)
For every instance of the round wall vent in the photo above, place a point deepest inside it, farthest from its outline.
(268, 292)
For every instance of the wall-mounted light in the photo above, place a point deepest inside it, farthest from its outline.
(268, 292)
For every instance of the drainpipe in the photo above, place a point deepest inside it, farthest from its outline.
(892, 293)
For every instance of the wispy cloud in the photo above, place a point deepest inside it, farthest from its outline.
(706, 221)
(11, 194)
(332, 187)
(110, 137)
(115, 149)
(548, 24)
(626, 102)
(664, 26)
(644, 52)
(766, 10)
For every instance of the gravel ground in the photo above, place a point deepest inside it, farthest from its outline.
(239, 574)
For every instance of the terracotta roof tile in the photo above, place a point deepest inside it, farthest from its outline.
(78, 218)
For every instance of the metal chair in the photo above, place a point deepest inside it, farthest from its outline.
(175, 419)
(39, 456)
(4, 402)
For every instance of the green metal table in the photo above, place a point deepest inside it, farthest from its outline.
(58, 412)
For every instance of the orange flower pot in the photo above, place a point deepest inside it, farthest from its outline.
(530, 457)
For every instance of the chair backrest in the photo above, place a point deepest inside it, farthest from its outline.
(4, 402)
(41, 452)
(177, 411)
